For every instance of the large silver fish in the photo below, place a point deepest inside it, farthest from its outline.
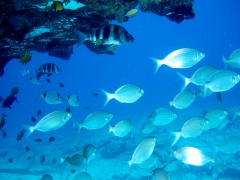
(121, 129)
(51, 121)
(233, 60)
(128, 93)
(181, 58)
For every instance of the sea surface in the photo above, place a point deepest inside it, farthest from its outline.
(215, 31)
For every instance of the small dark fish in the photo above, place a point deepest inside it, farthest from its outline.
(86, 108)
(14, 90)
(54, 160)
(42, 159)
(33, 119)
(9, 101)
(68, 109)
(29, 158)
(2, 123)
(4, 134)
(95, 94)
(61, 85)
(39, 112)
(51, 139)
(20, 135)
(38, 140)
(73, 171)
(48, 80)
(10, 160)
(3, 114)
(4, 154)
(27, 148)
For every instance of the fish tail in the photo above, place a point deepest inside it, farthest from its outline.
(40, 95)
(108, 95)
(130, 163)
(62, 160)
(185, 79)
(225, 62)
(29, 130)
(81, 36)
(158, 63)
(170, 103)
(176, 138)
(205, 88)
(110, 129)
(78, 125)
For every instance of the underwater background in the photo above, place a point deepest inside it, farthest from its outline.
(214, 30)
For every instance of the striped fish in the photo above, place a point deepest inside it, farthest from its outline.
(106, 35)
(230, 145)
(48, 68)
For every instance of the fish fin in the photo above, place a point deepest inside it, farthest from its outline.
(78, 125)
(108, 95)
(29, 130)
(176, 138)
(205, 87)
(225, 62)
(130, 163)
(62, 160)
(110, 129)
(170, 103)
(185, 79)
(158, 64)
(81, 36)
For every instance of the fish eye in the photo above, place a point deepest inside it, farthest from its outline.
(202, 54)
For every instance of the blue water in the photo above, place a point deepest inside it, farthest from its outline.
(214, 30)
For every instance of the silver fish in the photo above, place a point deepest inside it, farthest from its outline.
(222, 80)
(143, 151)
(233, 60)
(35, 81)
(122, 128)
(162, 116)
(160, 174)
(24, 72)
(192, 128)
(89, 153)
(51, 121)
(74, 160)
(50, 97)
(150, 162)
(199, 77)
(230, 146)
(215, 116)
(95, 120)
(82, 176)
(192, 156)
(183, 100)
(128, 93)
(181, 58)
(73, 100)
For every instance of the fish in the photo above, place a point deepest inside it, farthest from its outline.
(73, 100)
(75, 160)
(57, 6)
(14, 90)
(162, 116)
(73, 171)
(4, 134)
(48, 80)
(38, 140)
(39, 112)
(222, 80)
(233, 60)
(95, 94)
(50, 97)
(61, 85)
(188, 154)
(121, 129)
(183, 100)
(27, 148)
(86, 108)
(82, 175)
(35, 80)
(128, 93)
(132, 13)
(215, 116)
(48, 68)
(51, 139)
(148, 127)
(181, 58)
(33, 119)
(89, 153)
(42, 159)
(199, 77)
(47, 177)
(95, 120)
(24, 72)
(51, 121)
(7, 103)
(191, 128)
(111, 34)
(143, 151)
(2, 123)
(230, 146)
(20, 135)
(10, 160)
(150, 162)
(159, 174)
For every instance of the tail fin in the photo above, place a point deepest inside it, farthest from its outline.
(40, 95)
(78, 125)
(176, 138)
(108, 95)
(130, 163)
(185, 79)
(225, 62)
(29, 130)
(62, 160)
(158, 63)
(81, 36)
(170, 103)
(110, 129)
